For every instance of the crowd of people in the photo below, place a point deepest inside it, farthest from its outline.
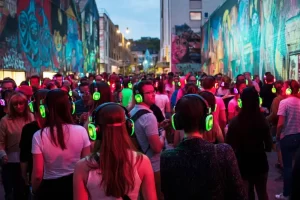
(144, 137)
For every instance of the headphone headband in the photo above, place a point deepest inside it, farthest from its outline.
(201, 98)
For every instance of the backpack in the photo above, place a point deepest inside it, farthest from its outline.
(134, 140)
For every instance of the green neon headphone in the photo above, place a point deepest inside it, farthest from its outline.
(96, 94)
(95, 130)
(274, 89)
(30, 105)
(29, 82)
(138, 94)
(240, 103)
(130, 85)
(288, 91)
(209, 120)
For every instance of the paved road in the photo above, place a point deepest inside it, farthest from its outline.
(274, 187)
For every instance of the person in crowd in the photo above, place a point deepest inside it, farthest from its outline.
(58, 78)
(288, 132)
(162, 100)
(45, 83)
(51, 85)
(124, 171)
(82, 105)
(4, 108)
(273, 118)
(295, 188)
(197, 169)
(126, 94)
(147, 134)
(174, 95)
(189, 78)
(266, 92)
(8, 84)
(215, 135)
(169, 87)
(26, 90)
(233, 108)
(35, 82)
(250, 82)
(258, 81)
(10, 134)
(117, 93)
(208, 84)
(56, 148)
(224, 90)
(27, 134)
(249, 136)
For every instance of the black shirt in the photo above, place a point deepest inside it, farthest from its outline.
(267, 95)
(26, 143)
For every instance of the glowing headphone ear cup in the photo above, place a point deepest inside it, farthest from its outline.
(288, 91)
(130, 85)
(96, 96)
(138, 98)
(209, 122)
(42, 111)
(273, 90)
(92, 131)
(130, 127)
(240, 104)
(173, 121)
(260, 101)
(31, 107)
(73, 108)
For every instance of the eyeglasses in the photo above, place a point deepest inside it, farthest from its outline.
(151, 92)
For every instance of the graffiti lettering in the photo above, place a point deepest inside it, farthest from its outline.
(13, 60)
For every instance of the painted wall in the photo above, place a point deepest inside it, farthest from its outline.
(252, 35)
(185, 49)
(43, 35)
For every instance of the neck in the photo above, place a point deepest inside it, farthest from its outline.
(193, 135)
(143, 104)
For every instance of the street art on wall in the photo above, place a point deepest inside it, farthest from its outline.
(38, 35)
(185, 49)
(251, 35)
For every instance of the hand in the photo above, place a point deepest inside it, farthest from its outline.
(4, 159)
(165, 123)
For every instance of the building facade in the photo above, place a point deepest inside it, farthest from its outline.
(180, 32)
(115, 55)
(254, 36)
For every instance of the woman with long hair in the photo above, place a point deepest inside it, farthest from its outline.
(162, 100)
(249, 136)
(56, 148)
(105, 95)
(288, 132)
(27, 134)
(115, 170)
(11, 127)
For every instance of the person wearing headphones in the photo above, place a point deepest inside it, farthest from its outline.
(150, 140)
(124, 171)
(288, 132)
(198, 169)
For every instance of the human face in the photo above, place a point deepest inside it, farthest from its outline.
(284, 88)
(85, 93)
(242, 87)
(7, 86)
(149, 94)
(59, 80)
(19, 105)
(34, 82)
(192, 79)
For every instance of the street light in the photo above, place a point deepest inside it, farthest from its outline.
(127, 30)
(118, 31)
(128, 43)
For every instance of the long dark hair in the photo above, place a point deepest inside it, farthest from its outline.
(115, 161)
(37, 97)
(250, 114)
(106, 95)
(58, 108)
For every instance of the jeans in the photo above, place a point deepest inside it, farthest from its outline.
(13, 183)
(289, 145)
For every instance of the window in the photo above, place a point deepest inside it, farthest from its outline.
(195, 4)
(195, 15)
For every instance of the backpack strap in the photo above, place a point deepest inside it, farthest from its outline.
(135, 117)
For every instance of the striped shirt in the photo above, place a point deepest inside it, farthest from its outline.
(290, 109)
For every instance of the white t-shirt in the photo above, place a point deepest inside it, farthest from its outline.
(161, 100)
(220, 106)
(290, 109)
(58, 162)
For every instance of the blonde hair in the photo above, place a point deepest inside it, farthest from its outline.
(12, 113)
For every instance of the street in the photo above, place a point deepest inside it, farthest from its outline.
(274, 187)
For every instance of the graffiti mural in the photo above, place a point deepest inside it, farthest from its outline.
(185, 49)
(39, 35)
(251, 35)
(90, 35)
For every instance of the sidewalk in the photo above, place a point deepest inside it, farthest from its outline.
(274, 187)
